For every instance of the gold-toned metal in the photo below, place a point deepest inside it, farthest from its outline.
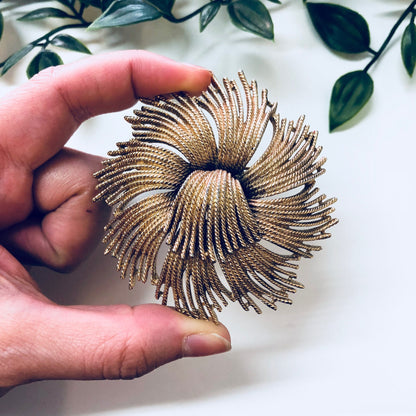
(185, 179)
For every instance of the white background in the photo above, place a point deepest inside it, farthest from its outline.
(347, 344)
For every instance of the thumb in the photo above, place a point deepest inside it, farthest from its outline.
(111, 342)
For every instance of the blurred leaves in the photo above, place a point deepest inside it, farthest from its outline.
(126, 12)
(16, 57)
(42, 60)
(249, 15)
(70, 43)
(1, 24)
(342, 29)
(44, 13)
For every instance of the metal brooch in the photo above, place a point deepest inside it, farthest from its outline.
(234, 226)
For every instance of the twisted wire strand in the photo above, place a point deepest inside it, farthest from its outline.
(210, 204)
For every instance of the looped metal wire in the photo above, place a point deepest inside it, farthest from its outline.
(185, 179)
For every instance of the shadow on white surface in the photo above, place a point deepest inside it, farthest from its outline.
(260, 347)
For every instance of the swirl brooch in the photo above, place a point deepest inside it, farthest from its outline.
(231, 228)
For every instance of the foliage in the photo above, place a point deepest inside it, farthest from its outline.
(340, 28)
(344, 30)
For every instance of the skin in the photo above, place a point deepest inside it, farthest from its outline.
(47, 217)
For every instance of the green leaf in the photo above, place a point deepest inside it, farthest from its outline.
(164, 6)
(66, 3)
(207, 14)
(16, 57)
(70, 43)
(409, 48)
(105, 4)
(126, 12)
(1, 24)
(349, 95)
(342, 29)
(275, 1)
(43, 13)
(42, 60)
(252, 16)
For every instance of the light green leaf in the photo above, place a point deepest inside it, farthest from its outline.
(349, 95)
(70, 43)
(125, 12)
(252, 16)
(42, 60)
(408, 48)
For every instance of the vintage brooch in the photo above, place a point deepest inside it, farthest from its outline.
(233, 228)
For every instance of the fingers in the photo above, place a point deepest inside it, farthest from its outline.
(48, 109)
(115, 342)
(68, 224)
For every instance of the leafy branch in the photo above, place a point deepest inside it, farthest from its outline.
(344, 30)
(248, 15)
(341, 29)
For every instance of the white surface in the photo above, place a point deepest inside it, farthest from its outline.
(347, 344)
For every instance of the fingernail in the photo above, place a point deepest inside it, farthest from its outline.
(197, 345)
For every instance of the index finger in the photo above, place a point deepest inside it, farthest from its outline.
(40, 116)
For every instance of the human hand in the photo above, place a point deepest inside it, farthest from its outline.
(47, 217)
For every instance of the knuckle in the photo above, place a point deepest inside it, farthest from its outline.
(124, 356)
(133, 359)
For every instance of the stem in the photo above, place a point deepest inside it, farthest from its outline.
(45, 38)
(81, 10)
(58, 29)
(174, 19)
(410, 9)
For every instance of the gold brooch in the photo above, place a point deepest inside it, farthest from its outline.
(186, 181)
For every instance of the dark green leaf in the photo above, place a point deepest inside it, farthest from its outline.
(349, 95)
(42, 60)
(69, 42)
(43, 13)
(1, 24)
(409, 48)
(16, 57)
(207, 14)
(252, 16)
(164, 6)
(105, 4)
(342, 29)
(125, 12)
(276, 1)
(65, 2)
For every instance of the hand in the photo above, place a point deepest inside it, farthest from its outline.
(47, 217)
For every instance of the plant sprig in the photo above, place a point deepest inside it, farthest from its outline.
(344, 30)
(341, 29)
(248, 15)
